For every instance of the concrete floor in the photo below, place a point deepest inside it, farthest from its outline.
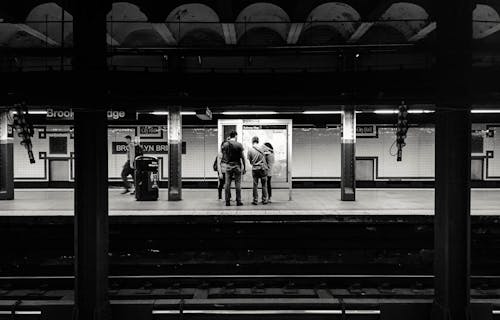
(56, 202)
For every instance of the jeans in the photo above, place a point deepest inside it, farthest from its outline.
(269, 188)
(263, 181)
(222, 182)
(233, 172)
(126, 171)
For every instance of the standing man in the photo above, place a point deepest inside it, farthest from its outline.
(232, 155)
(128, 167)
(260, 169)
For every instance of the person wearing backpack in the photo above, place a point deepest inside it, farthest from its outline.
(257, 159)
(133, 150)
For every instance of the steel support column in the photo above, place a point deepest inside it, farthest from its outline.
(348, 155)
(6, 159)
(174, 154)
(91, 160)
(91, 216)
(453, 161)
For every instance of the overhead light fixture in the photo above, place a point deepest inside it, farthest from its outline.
(389, 111)
(165, 113)
(242, 113)
(322, 112)
(485, 111)
(37, 112)
(420, 111)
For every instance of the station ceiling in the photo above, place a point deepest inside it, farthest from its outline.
(148, 23)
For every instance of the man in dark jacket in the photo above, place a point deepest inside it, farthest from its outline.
(232, 156)
(129, 166)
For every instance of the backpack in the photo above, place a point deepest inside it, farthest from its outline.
(215, 164)
(138, 150)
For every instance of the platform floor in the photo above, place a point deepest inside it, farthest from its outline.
(59, 202)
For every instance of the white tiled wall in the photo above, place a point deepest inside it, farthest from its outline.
(316, 153)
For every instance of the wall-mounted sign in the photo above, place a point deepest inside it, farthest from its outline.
(151, 131)
(68, 114)
(366, 131)
(149, 147)
(60, 114)
(204, 114)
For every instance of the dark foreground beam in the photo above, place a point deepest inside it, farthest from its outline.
(453, 161)
(91, 216)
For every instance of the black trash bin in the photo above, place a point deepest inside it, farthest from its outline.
(146, 178)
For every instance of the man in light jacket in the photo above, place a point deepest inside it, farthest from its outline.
(257, 159)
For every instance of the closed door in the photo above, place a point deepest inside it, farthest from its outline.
(364, 170)
(59, 170)
(476, 169)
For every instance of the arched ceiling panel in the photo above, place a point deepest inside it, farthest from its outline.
(143, 38)
(486, 19)
(47, 19)
(261, 37)
(344, 18)
(383, 34)
(202, 38)
(262, 15)
(125, 18)
(190, 19)
(321, 35)
(416, 16)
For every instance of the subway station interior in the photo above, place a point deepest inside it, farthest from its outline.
(384, 121)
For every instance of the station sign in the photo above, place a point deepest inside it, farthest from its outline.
(366, 131)
(68, 114)
(149, 147)
(152, 131)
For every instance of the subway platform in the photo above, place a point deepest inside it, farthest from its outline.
(204, 202)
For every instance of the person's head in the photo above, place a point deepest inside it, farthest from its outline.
(233, 134)
(270, 146)
(255, 140)
(128, 138)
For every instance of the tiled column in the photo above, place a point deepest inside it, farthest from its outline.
(174, 154)
(348, 154)
(6, 159)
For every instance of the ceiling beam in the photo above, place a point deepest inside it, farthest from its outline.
(37, 34)
(489, 32)
(294, 33)
(424, 32)
(360, 31)
(229, 33)
(165, 33)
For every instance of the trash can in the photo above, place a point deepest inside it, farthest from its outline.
(146, 178)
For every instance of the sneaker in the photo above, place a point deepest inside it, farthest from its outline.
(239, 203)
(125, 191)
(265, 202)
(255, 203)
(269, 200)
(132, 193)
(228, 203)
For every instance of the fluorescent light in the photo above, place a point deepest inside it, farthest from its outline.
(420, 111)
(323, 112)
(485, 111)
(37, 112)
(238, 113)
(267, 312)
(385, 111)
(165, 113)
